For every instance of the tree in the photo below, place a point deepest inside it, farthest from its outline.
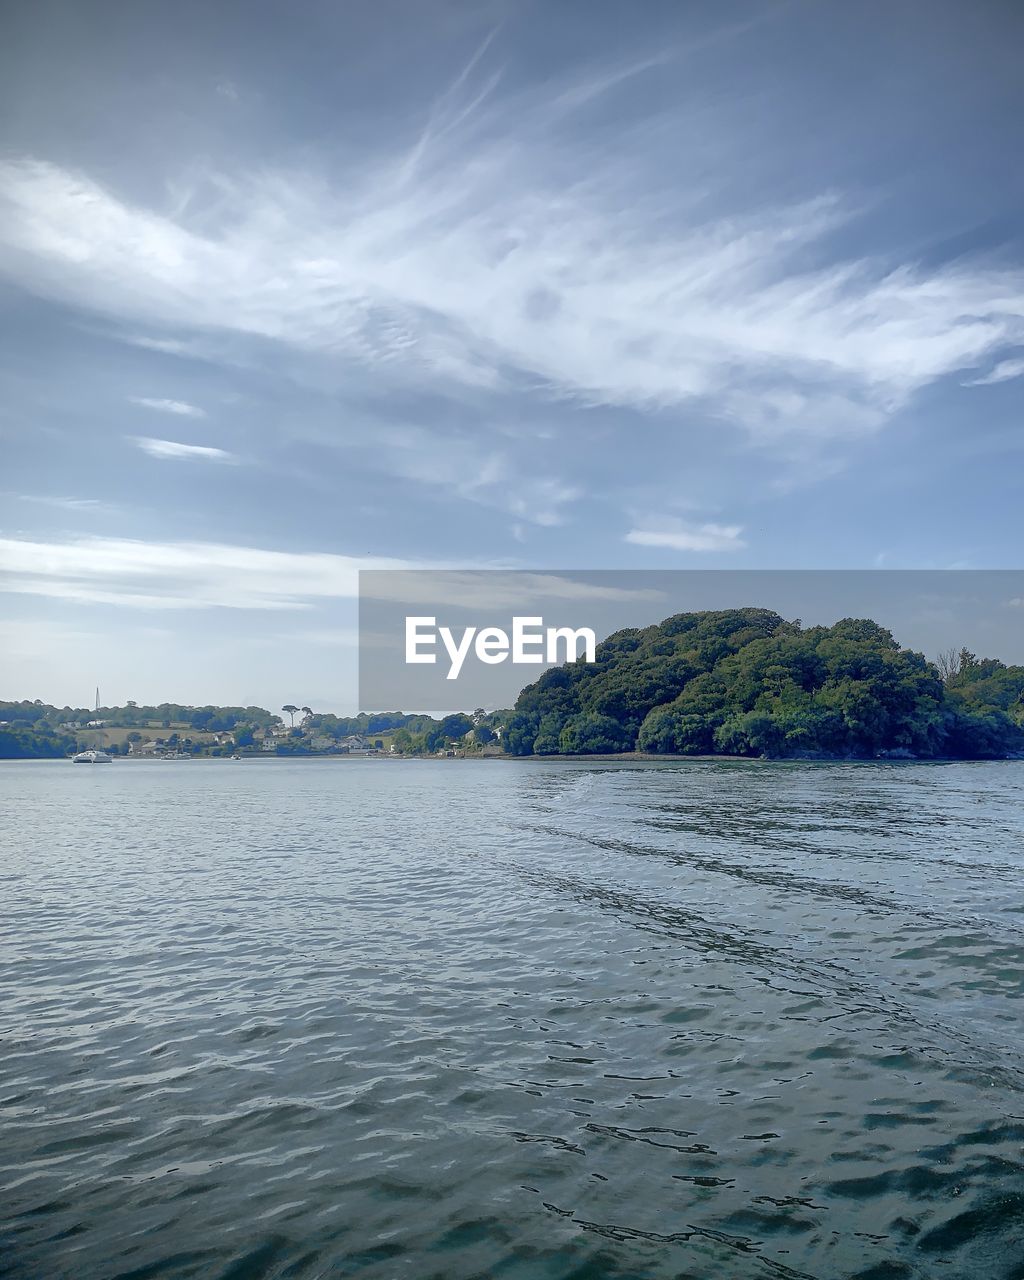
(291, 710)
(674, 731)
(592, 734)
(948, 663)
(456, 725)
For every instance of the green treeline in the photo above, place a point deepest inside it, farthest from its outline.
(413, 734)
(41, 743)
(366, 723)
(43, 717)
(37, 730)
(747, 682)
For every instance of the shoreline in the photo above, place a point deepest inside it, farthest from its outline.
(619, 757)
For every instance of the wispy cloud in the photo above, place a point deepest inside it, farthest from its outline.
(682, 535)
(174, 449)
(471, 470)
(178, 407)
(498, 256)
(65, 504)
(166, 346)
(180, 575)
(522, 591)
(213, 575)
(1004, 371)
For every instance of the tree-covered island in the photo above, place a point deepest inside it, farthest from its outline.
(746, 682)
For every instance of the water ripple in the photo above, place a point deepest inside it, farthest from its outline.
(535, 1021)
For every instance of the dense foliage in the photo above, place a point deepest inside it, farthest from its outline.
(42, 743)
(38, 730)
(747, 682)
(366, 723)
(165, 714)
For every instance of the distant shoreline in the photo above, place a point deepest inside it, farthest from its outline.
(625, 758)
(621, 757)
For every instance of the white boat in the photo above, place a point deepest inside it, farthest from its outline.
(91, 757)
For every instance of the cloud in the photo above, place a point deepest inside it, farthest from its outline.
(772, 412)
(1004, 371)
(210, 575)
(682, 535)
(180, 575)
(461, 465)
(173, 449)
(178, 407)
(93, 505)
(166, 346)
(522, 591)
(499, 253)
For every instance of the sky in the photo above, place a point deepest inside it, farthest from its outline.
(290, 291)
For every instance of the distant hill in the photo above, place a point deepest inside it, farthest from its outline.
(38, 730)
(747, 682)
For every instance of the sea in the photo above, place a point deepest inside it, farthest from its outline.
(520, 1019)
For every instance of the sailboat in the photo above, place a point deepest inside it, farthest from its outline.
(92, 755)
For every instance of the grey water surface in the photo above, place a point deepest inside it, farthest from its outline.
(531, 1020)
